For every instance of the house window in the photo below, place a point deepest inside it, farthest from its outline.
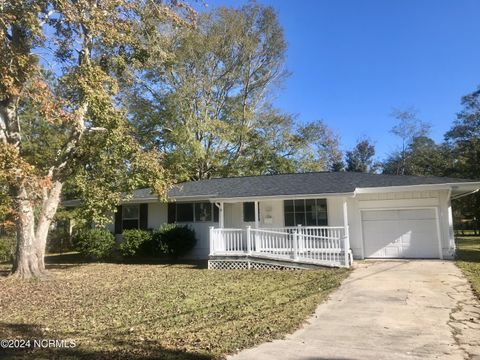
(192, 212)
(308, 212)
(203, 211)
(130, 217)
(184, 212)
(248, 211)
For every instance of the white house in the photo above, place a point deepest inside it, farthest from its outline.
(308, 218)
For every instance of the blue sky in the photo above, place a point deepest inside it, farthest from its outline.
(353, 61)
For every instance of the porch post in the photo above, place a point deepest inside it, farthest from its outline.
(300, 239)
(295, 245)
(256, 214)
(211, 239)
(346, 238)
(221, 214)
(249, 241)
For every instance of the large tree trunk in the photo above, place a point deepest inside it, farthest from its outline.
(26, 261)
(31, 245)
(49, 208)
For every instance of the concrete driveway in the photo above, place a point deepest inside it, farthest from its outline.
(388, 310)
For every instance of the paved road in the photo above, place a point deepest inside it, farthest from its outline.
(388, 310)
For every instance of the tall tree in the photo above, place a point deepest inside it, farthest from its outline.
(278, 145)
(209, 111)
(408, 127)
(423, 158)
(464, 139)
(68, 126)
(361, 157)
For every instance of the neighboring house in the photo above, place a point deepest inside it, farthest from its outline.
(308, 217)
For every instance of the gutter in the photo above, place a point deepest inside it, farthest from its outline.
(465, 194)
(279, 197)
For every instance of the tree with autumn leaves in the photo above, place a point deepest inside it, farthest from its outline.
(60, 123)
(98, 98)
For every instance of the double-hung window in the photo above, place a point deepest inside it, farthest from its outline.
(307, 212)
(192, 212)
(130, 216)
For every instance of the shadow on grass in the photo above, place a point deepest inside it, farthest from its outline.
(197, 264)
(75, 259)
(114, 348)
(468, 249)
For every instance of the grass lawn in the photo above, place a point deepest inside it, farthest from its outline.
(468, 259)
(158, 311)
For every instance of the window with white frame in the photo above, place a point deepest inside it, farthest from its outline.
(203, 211)
(193, 212)
(130, 216)
(307, 212)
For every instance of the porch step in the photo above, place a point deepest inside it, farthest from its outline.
(257, 263)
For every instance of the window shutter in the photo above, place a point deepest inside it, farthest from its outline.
(143, 216)
(171, 213)
(118, 220)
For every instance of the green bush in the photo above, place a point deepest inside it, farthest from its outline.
(174, 240)
(58, 240)
(7, 247)
(95, 243)
(135, 242)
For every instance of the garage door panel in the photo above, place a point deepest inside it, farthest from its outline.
(380, 215)
(400, 233)
(418, 226)
(383, 234)
(382, 226)
(421, 214)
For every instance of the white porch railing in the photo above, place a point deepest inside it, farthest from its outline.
(323, 245)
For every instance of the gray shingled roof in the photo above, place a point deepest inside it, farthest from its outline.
(289, 185)
(294, 184)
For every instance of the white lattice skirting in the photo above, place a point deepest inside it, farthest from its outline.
(248, 264)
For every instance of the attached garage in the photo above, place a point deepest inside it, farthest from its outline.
(401, 233)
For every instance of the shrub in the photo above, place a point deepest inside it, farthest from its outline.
(95, 243)
(7, 247)
(174, 240)
(135, 242)
(58, 240)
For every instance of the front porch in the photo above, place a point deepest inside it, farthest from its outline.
(262, 230)
(299, 245)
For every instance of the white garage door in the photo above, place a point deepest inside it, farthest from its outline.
(400, 233)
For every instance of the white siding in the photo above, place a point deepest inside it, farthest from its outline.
(446, 226)
(335, 211)
(271, 214)
(355, 228)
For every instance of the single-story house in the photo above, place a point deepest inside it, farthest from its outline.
(320, 217)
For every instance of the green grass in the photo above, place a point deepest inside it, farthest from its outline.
(159, 311)
(468, 259)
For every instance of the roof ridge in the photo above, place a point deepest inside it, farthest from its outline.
(327, 172)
